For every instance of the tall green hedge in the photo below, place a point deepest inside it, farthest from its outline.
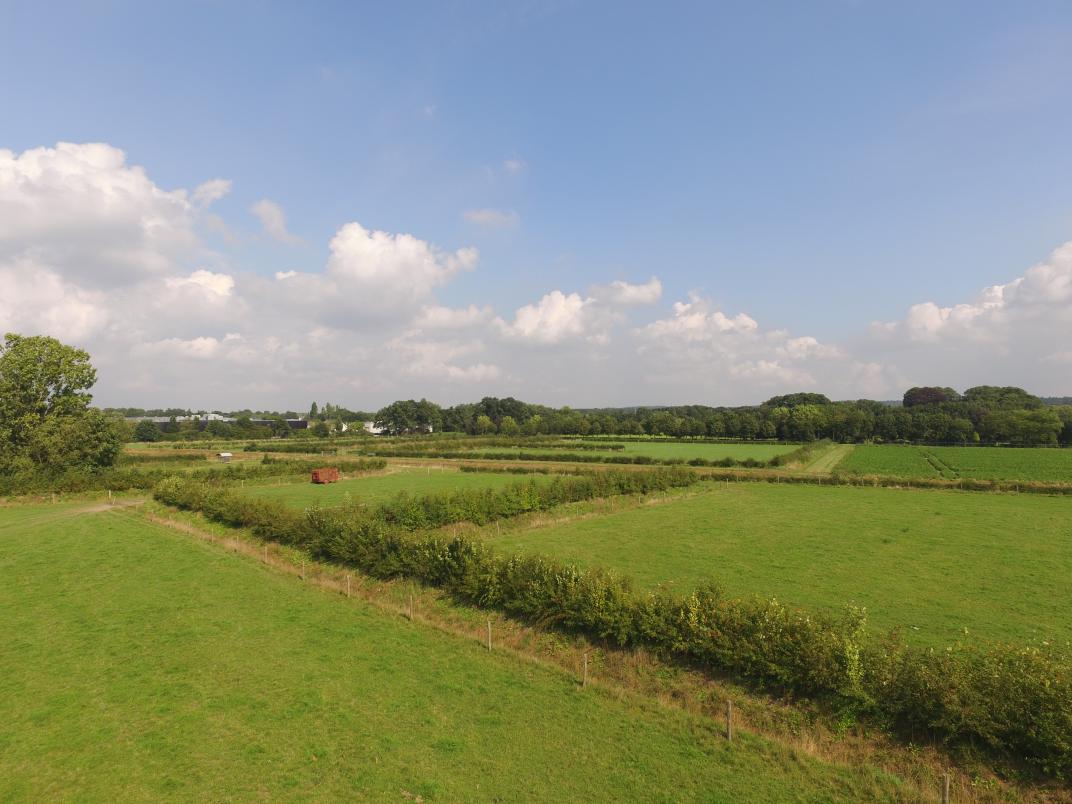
(124, 479)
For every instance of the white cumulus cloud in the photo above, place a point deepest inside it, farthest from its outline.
(211, 191)
(274, 221)
(497, 218)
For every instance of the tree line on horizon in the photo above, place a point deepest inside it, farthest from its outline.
(981, 415)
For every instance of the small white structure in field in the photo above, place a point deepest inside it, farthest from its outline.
(370, 427)
(224, 457)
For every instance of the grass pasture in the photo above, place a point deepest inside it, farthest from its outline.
(932, 563)
(663, 450)
(141, 664)
(670, 450)
(1026, 464)
(378, 488)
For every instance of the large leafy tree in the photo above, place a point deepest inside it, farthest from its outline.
(45, 419)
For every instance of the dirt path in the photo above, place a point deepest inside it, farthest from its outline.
(825, 463)
(106, 505)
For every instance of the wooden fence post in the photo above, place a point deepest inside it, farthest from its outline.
(729, 720)
(584, 678)
(303, 569)
(945, 788)
(348, 585)
(266, 554)
(489, 633)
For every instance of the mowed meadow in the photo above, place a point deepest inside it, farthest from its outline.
(941, 566)
(977, 463)
(140, 663)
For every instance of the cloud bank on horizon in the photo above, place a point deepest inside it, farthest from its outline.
(94, 252)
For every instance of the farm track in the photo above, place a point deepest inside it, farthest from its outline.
(944, 470)
(825, 463)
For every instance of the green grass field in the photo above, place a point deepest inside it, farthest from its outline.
(665, 450)
(980, 463)
(936, 561)
(710, 452)
(378, 488)
(140, 664)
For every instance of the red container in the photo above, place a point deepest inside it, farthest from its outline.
(328, 474)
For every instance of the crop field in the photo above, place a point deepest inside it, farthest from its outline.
(981, 463)
(139, 663)
(381, 487)
(931, 563)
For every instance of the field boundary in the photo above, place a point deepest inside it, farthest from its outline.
(827, 461)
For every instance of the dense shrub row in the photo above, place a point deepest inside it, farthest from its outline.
(665, 439)
(458, 443)
(888, 481)
(531, 470)
(144, 457)
(1013, 700)
(120, 479)
(307, 447)
(563, 457)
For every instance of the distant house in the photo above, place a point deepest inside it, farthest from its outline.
(224, 457)
(370, 427)
(293, 424)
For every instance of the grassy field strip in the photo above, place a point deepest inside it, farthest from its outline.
(941, 566)
(374, 488)
(153, 666)
(1048, 465)
(825, 462)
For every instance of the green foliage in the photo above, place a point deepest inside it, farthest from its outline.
(914, 397)
(146, 430)
(408, 416)
(649, 454)
(795, 400)
(46, 424)
(126, 478)
(296, 447)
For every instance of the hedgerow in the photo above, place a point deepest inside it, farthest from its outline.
(125, 479)
(1014, 700)
(564, 457)
(311, 448)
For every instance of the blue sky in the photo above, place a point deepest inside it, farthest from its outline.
(816, 166)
